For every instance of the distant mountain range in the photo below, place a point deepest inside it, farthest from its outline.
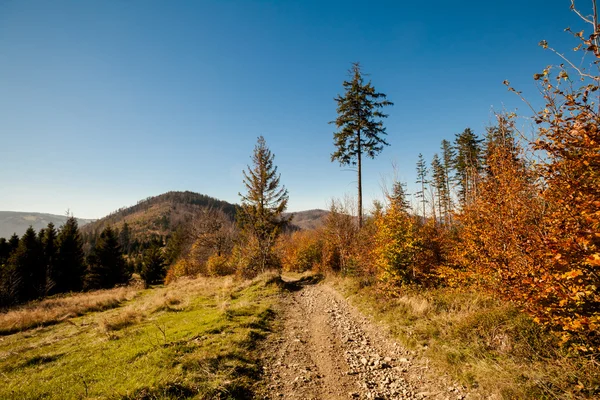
(157, 215)
(18, 222)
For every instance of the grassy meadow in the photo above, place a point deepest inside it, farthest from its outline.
(192, 339)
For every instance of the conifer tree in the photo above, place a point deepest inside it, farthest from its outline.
(422, 172)
(500, 136)
(438, 184)
(4, 251)
(50, 253)
(360, 125)
(153, 265)
(125, 238)
(70, 264)
(398, 197)
(27, 262)
(13, 242)
(467, 163)
(448, 155)
(107, 266)
(263, 204)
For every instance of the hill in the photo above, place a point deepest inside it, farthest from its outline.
(310, 219)
(160, 215)
(18, 222)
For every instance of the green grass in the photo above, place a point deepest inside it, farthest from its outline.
(482, 343)
(192, 339)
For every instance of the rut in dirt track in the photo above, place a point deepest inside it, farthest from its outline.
(326, 350)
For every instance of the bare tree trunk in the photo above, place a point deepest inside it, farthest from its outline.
(360, 213)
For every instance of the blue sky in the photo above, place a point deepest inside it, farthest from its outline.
(103, 103)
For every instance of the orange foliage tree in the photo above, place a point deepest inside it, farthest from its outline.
(569, 137)
(500, 230)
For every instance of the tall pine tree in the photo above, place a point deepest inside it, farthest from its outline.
(360, 125)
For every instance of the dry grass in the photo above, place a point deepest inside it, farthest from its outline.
(195, 338)
(58, 309)
(121, 320)
(488, 346)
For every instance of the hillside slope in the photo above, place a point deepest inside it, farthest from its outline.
(309, 219)
(18, 222)
(160, 215)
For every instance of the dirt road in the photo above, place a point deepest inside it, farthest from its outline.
(325, 349)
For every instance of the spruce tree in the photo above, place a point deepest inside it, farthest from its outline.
(438, 184)
(4, 251)
(107, 266)
(27, 262)
(448, 156)
(422, 172)
(467, 163)
(125, 238)
(500, 138)
(360, 126)
(13, 242)
(263, 204)
(49, 242)
(70, 263)
(398, 197)
(153, 269)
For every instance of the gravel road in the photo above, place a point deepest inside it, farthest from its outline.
(325, 349)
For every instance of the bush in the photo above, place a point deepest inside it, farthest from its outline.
(219, 265)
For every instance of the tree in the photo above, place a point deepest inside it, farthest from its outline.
(50, 253)
(467, 163)
(27, 262)
(4, 251)
(422, 172)
(68, 275)
(360, 126)
(125, 238)
(213, 230)
(153, 266)
(569, 139)
(13, 242)
(448, 155)
(396, 245)
(107, 266)
(398, 197)
(438, 184)
(500, 136)
(263, 205)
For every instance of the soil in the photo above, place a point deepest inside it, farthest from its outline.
(325, 349)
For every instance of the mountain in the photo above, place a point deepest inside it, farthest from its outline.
(157, 215)
(160, 215)
(18, 222)
(310, 219)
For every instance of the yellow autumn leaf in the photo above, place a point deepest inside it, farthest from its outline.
(594, 260)
(572, 274)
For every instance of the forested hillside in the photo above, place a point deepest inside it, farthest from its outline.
(159, 215)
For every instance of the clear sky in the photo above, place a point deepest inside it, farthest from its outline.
(106, 102)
